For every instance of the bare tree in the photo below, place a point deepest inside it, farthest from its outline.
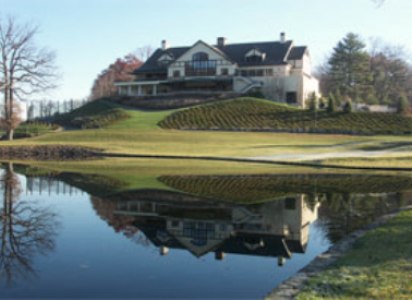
(143, 53)
(24, 68)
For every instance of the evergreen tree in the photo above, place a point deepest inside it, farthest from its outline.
(313, 102)
(402, 105)
(337, 97)
(331, 104)
(348, 106)
(349, 68)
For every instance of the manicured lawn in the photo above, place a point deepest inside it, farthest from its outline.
(122, 138)
(388, 161)
(125, 130)
(378, 267)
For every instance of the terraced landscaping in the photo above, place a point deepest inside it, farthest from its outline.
(249, 114)
(257, 188)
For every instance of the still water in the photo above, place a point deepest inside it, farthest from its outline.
(74, 235)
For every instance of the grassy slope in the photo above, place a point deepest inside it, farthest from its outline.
(370, 271)
(139, 134)
(253, 114)
(96, 114)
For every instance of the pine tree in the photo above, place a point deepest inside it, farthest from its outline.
(349, 68)
(348, 106)
(402, 105)
(313, 102)
(337, 97)
(331, 104)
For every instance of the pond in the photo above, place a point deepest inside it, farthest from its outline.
(189, 236)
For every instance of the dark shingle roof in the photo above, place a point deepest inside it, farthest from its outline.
(152, 65)
(297, 53)
(276, 53)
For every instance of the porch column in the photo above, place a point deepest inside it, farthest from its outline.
(129, 90)
(139, 90)
(154, 90)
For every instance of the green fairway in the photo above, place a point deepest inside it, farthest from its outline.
(132, 131)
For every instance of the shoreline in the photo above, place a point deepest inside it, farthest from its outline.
(291, 287)
(76, 153)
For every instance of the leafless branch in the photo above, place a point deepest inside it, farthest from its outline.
(24, 68)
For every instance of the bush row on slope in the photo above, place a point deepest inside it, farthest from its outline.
(250, 114)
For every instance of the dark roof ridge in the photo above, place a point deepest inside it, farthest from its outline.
(256, 42)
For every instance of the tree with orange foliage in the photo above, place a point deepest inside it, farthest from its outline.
(120, 70)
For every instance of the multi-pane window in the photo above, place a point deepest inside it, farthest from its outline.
(200, 65)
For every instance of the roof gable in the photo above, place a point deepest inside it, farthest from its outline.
(197, 46)
(276, 53)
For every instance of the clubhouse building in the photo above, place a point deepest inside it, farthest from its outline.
(279, 70)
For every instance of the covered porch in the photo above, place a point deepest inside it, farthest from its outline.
(139, 88)
(153, 88)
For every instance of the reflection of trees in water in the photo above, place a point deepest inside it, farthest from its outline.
(125, 224)
(25, 229)
(344, 212)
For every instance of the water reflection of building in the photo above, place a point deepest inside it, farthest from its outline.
(278, 228)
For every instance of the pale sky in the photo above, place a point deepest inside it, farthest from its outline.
(88, 35)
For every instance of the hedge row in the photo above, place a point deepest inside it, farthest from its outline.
(249, 114)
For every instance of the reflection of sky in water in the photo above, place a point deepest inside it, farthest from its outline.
(91, 260)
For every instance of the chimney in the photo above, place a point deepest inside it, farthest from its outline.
(221, 42)
(165, 45)
(282, 37)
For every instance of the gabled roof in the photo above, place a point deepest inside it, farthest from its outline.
(152, 65)
(297, 53)
(276, 53)
(215, 49)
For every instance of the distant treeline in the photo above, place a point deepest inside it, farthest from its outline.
(40, 109)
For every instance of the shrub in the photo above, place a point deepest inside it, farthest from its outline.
(331, 104)
(258, 115)
(402, 105)
(256, 93)
(312, 102)
(348, 108)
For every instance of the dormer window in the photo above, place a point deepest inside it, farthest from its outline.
(255, 55)
(165, 59)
